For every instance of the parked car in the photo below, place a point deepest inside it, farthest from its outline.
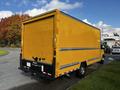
(115, 49)
(106, 48)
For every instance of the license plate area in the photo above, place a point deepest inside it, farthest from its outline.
(35, 64)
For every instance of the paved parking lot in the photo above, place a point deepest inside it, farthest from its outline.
(13, 79)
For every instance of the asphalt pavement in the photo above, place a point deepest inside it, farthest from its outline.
(11, 78)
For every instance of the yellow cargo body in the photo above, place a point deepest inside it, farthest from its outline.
(55, 43)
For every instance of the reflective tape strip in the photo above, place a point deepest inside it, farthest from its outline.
(49, 74)
(72, 64)
(68, 65)
(69, 49)
(44, 72)
(93, 59)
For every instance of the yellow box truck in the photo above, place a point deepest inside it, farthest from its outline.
(54, 44)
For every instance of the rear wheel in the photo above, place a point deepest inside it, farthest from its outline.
(81, 71)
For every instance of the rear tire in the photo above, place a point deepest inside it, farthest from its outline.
(81, 72)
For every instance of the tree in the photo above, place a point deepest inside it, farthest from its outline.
(10, 29)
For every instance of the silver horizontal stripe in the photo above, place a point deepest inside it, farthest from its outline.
(93, 59)
(69, 49)
(68, 65)
(72, 64)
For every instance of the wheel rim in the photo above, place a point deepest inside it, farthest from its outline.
(82, 71)
(103, 59)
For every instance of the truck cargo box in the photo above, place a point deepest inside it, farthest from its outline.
(55, 43)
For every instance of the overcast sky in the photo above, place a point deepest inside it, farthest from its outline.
(105, 12)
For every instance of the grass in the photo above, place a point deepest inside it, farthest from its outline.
(3, 52)
(106, 78)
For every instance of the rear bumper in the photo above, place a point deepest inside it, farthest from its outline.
(41, 70)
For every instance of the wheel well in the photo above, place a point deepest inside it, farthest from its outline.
(103, 55)
(84, 63)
